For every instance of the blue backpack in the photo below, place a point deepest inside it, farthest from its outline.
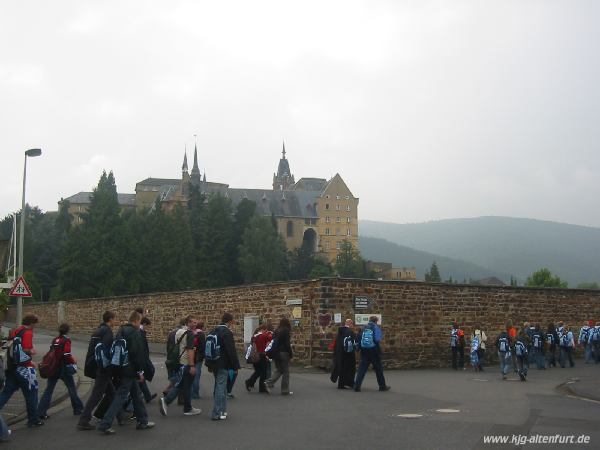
(15, 354)
(584, 335)
(367, 339)
(538, 341)
(550, 338)
(453, 338)
(101, 356)
(594, 334)
(348, 344)
(565, 340)
(503, 345)
(212, 348)
(119, 355)
(520, 348)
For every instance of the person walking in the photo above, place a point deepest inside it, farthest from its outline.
(457, 345)
(61, 345)
(149, 369)
(130, 374)
(482, 337)
(184, 376)
(282, 354)
(538, 340)
(567, 344)
(369, 339)
(552, 341)
(260, 340)
(344, 356)
(503, 344)
(220, 356)
(521, 354)
(20, 370)
(199, 344)
(584, 341)
(100, 344)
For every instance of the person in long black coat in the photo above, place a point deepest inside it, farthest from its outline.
(344, 356)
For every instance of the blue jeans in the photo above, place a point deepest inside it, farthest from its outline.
(3, 430)
(127, 386)
(369, 356)
(14, 382)
(540, 358)
(196, 383)
(183, 383)
(505, 360)
(588, 353)
(220, 392)
(76, 402)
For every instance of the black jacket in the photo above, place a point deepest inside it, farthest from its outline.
(229, 358)
(148, 366)
(135, 350)
(102, 334)
(282, 339)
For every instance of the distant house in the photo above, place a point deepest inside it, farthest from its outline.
(490, 281)
(386, 271)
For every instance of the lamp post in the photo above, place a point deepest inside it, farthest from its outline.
(32, 152)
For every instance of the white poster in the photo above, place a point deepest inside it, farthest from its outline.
(363, 319)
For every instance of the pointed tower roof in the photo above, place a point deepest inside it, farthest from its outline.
(283, 179)
(195, 169)
(184, 167)
(284, 165)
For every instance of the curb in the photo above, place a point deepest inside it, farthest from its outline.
(568, 388)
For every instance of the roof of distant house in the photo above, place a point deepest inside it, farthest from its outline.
(85, 198)
(310, 184)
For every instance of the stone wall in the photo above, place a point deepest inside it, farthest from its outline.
(416, 317)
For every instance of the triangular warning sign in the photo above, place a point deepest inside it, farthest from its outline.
(20, 289)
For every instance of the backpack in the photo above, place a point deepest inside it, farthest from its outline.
(565, 340)
(252, 356)
(550, 338)
(212, 352)
(52, 362)
(520, 348)
(119, 355)
(474, 344)
(348, 344)
(454, 338)
(594, 334)
(367, 339)
(584, 335)
(272, 349)
(538, 341)
(15, 355)
(173, 354)
(503, 344)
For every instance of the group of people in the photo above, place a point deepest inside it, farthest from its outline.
(531, 345)
(120, 364)
(367, 342)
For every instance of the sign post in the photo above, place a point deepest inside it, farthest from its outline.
(20, 289)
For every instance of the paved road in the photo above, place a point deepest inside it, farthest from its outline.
(318, 416)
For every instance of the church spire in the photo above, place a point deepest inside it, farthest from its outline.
(283, 179)
(195, 175)
(283, 151)
(184, 167)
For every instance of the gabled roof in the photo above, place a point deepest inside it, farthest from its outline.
(310, 184)
(84, 198)
(338, 178)
(158, 182)
(300, 204)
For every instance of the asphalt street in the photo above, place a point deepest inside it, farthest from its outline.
(451, 410)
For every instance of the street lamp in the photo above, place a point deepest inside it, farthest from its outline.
(32, 152)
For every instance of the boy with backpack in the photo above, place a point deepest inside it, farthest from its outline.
(504, 354)
(538, 339)
(457, 345)
(584, 341)
(97, 367)
(552, 340)
(595, 342)
(199, 344)
(20, 369)
(567, 344)
(181, 363)
(521, 353)
(220, 357)
(127, 361)
(370, 354)
(64, 368)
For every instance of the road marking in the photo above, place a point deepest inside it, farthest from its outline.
(479, 379)
(409, 416)
(447, 410)
(584, 399)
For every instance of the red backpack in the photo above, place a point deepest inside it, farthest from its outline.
(52, 362)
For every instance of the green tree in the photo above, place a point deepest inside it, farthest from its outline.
(262, 252)
(349, 263)
(304, 264)
(592, 285)
(244, 213)
(433, 276)
(513, 281)
(545, 278)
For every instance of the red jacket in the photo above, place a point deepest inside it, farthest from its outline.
(261, 340)
(26, 341)
(64, 343)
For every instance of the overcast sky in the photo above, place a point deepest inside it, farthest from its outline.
(428, 109)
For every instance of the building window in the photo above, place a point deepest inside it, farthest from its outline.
(337, 207)
(327, 196)
(327, 219)
(290, 228)
(348, 232)
(348, 219)
(348, 208)
(337, 231)
(337, 197)
(338, 220)
(327, 245)
(327, 232)
(338, 245)
(347, 197)
(326, 205)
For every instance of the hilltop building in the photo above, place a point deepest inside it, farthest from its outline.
(317, 212)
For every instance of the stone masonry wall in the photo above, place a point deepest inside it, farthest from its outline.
(416, 317)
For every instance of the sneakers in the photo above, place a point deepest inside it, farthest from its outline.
(44, 417)
(37, 424)
(192, 412)
(107, 430)
(287, 393)
(85, 426)
(222, 416)
(230, 395)
(267, 388)
(144, 426)
(162, 406)
(384, 388)
(248, 385)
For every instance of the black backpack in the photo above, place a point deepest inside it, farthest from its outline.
(173, 354)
